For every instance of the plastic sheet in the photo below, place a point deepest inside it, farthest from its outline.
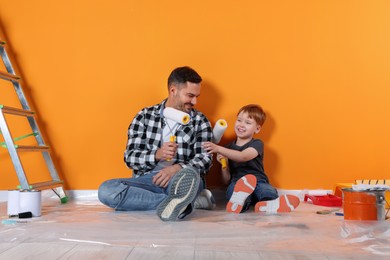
(85, 222)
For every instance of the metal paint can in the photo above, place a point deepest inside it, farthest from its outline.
(364, 205)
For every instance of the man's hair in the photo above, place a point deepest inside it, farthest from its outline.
(181, 75)
(255, 112)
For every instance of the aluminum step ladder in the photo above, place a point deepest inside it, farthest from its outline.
(10, 143)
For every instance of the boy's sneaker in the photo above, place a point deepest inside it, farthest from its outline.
(183, 190)
(243, 188)
(285, 203)
(205, 200)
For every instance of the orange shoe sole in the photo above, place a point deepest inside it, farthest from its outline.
(243, 188)
(283, 204)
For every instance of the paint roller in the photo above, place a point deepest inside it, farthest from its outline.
(177, 116)
(218, 131)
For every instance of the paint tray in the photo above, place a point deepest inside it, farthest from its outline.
(325, 200)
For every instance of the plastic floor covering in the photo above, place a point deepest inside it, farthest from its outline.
(85, 229)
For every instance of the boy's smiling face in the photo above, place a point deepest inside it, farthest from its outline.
(245, 127)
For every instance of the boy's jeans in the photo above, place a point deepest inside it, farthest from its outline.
(263, 191)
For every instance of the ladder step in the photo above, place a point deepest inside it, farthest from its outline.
(16, 111)
(46, 185)
(10, 77)
(32, 148)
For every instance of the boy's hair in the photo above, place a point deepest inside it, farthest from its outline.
(255, 112)
(181, 75)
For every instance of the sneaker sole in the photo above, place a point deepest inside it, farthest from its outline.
(243, 188)
(287, 203)
(182, 192)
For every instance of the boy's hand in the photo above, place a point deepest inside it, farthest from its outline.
(222, 160)
(210, 147)
(220, 157)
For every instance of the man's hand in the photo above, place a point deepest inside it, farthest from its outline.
(167, 151)
(165, 175)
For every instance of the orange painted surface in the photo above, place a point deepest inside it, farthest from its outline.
(320, 69)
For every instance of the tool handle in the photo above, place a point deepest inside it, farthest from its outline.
(223, 163)
(172, 139)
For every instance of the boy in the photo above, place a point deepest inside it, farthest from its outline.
(248, 183)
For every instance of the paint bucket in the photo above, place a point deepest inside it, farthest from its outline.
(364, 205)
(13, 202)
(30, 201)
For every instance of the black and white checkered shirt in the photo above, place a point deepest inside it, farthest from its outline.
(145, 137)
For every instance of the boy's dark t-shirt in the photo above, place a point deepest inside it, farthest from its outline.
(254, 166)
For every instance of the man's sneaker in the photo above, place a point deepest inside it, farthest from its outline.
(183, 190)
(285, 203)
(205, 200)
(185, 212)
(243, 188)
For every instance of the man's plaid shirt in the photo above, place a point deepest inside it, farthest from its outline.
(145, 137)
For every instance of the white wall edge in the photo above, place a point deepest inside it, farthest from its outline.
(92, 194)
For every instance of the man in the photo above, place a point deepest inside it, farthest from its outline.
(168, 175)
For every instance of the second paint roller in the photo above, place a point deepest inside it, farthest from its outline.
(177, 116)
(218, 131)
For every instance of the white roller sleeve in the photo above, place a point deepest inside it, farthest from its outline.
(176, 115)
(219, 130)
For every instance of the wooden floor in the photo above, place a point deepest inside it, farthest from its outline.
(85, 229)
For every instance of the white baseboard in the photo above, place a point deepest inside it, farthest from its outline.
(3, 195)
(92, 194)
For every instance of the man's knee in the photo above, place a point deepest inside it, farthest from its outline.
(105, 192)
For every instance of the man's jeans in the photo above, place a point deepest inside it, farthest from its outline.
(132, 194)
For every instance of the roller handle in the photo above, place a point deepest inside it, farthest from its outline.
(172, 139)
(223, 163)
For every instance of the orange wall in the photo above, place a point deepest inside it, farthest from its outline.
(319, 68)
